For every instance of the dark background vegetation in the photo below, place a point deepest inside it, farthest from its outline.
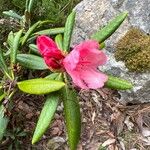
(54, 10)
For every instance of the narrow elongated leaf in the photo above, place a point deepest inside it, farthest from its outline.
(12, 14)
(52, 76)
(3, 65)
(30, 31)
(15, 46)
(40, 86)
(68, 31)
(47, 32)
(2, 96)
(72, 116)
(27, 18)
(110, 28)
(59, 41)
(50, 31)
(46, 116)
(30, 5)
(34, 49)
(10, 39)
(32, 61)
(1, 90)
(102, 45)
(27, 3)
(3, 122)
(118, 84)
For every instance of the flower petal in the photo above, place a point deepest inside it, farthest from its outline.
(89, 79)
(71, 60)
(77, 80)
(89, 44)
(82, 63)
(89, 52)
(45, 44)
(93, 79)
(52, 63)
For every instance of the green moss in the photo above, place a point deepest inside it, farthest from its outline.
(134, 50)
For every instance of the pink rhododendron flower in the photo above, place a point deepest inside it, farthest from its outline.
(50, 52)
(82, 63)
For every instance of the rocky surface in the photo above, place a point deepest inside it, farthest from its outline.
(94, 14)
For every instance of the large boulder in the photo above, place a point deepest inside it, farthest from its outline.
(94, 14)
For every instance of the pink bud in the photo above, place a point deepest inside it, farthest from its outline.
(53, 64)
(49, 50)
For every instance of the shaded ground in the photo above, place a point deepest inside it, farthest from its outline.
(106, 124)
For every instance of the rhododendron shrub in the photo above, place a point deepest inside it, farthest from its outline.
(81, 63)
(78, 65)
(67, 68)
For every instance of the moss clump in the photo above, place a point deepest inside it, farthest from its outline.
(134, 50)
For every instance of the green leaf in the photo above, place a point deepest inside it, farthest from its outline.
(68, 31)
(102, 45)
(3, 122)
(34, 49)
(47, 32)
(55, 76)
(27, 3)
(15, 46)
(30, 31)
(52, 76)
(2, 97)
(10, 39)
(40, 86)
(118, 84)
(32, 61)
(22, 134)
(110, 28)
(30, 5)
(50, 31)
(12, 14)
(27, 18)
(59, 41)
(46, 116)
(3, 65)
(72, 116)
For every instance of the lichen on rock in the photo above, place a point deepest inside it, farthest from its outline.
(134, 50)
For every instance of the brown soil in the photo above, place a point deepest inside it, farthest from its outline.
(106, 124)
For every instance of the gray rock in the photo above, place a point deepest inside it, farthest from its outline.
(94, 14)
(139, 13)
